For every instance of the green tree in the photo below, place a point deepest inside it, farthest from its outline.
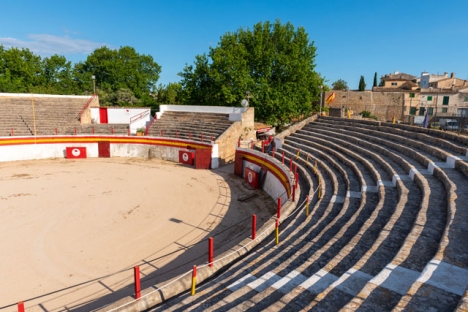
(58, 76)
(375, 80)
(362, 84)
(275, 62)
(340, 84)
(20, 70)
(169, 94)
(119, 69)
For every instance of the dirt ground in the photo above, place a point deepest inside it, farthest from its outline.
(71, 231)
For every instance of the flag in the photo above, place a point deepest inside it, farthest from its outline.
(426, 120)
(330, 98)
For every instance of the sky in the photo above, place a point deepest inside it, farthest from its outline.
(352, 38)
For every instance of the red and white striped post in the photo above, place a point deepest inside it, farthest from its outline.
(254, 226)
(194, 280)
(278, 210)
(210, 251)
(136, 278)
(21, 306)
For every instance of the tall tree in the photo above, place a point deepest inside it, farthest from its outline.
(274, 61)
(340, 84)
(122, 69)
(362, 84)
(375, 80)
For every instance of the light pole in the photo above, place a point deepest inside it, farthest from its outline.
(320, 87)
(94, 83)
(244, 102)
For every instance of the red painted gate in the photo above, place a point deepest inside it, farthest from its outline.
(103, 115)
(203, 158)
(104, 149)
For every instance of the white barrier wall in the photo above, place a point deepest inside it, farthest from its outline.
(235, 113)
(122, 115)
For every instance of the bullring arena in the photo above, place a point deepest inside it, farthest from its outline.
(352, 215)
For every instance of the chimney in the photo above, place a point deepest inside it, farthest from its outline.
(452, 75)
(446, 75)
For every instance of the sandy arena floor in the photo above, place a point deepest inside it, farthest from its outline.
(65, 225)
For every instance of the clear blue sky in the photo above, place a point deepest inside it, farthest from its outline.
(353, 38)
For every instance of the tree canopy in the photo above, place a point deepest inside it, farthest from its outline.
(274, 61)
(340, 84)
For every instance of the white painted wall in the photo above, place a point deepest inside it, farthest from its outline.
(120, 115)
(235, 113)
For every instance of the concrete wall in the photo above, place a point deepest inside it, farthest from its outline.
(122, 115)
(227, 142)
(31, 148)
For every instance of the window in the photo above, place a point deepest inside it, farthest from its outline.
(422, 110)
(444, 110)
(429, 97)
(445, 101)
(394, 84)
(430, 111)
(411, 95)
(466, 99)
(413, 111)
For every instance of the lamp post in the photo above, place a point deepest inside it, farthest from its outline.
(94, 83)
(244, 102)
(320, 87)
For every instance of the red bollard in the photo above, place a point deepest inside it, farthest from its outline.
(297, 179)
(128, 131)
(12, 132)
(136, 277)
(74, 131)
(238, 142)
(210, 251)
(21, 306)
(177, 134)
(194, 280)
(56, 131)
(282, 159)
(294, 193)
(290, 164)
(254, 226)
(112, 130)
(92, 129)
(263, 146)
(146, 130)
(278, 213)
(295, 168)
(202, 137)
(189, 136)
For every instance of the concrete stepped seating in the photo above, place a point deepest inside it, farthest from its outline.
(179, 124)
(455, 202)
(49, 116)
(408, 253)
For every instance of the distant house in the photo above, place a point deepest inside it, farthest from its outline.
(397, 80)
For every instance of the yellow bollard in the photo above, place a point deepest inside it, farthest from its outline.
(319, 195)
(307, 205)
(307, 159)
(393, 120)
(297, 154)
(277, 231)
(315, 168)
(349, 114)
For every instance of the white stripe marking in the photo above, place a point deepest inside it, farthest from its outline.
(353, 194)
(241, 282)
(319, 281)
(289, 282)
(445, 276)
(352, 281)
(396, 278)
(264, 282)
(337, 199)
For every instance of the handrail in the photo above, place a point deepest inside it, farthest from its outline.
(139, 116)
(87, 105)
